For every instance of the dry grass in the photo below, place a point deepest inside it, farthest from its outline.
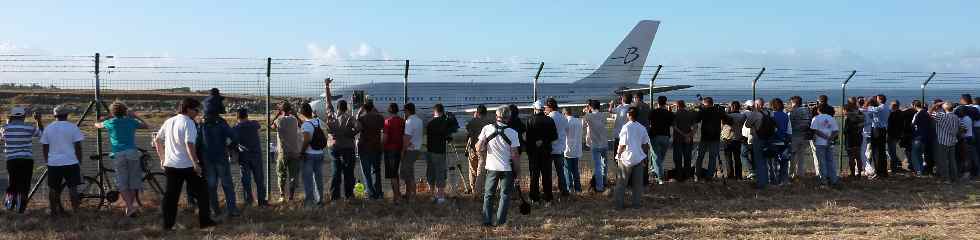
(898, 208)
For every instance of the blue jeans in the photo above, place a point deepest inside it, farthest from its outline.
(599, 159)
(760, 161)
(559, 161)
(505, 180)
(250, 164)
(746, 155)
(218, 169)
(313, 179)
(342, 173)
(779, 167)
(371, 171)
(828, 166)
(915, 160)
(712, 149)
(572, 176)
(659, 147)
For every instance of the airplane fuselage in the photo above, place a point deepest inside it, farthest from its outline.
(460, 95)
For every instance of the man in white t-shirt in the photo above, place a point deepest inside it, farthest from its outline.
(501, 144)
(633, 139)
(413, 148)
(62, 145)
(573, 151)
(175, 145)
(824, 129)
(558, 146)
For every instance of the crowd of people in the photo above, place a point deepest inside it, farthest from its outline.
(770, 141)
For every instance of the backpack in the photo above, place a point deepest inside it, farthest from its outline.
(319, 140)
(767, 126)
(499, 132)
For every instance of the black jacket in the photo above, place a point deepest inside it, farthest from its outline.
(540, 128)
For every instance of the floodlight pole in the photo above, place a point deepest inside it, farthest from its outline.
(268, 127)
(405, 84)
(756, 81)
(653, 79)
(924, 86)
(534, 86)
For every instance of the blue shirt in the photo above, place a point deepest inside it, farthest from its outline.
(217, 136)
(122, 133)
(879, 116)
(782, 125)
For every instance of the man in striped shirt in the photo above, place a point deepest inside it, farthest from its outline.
(17, 137)
(947, 128)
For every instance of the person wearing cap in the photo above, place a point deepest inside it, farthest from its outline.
(558, 146)
(17, 138)
(62, 146)
(121, 127)
(500, 143)
(629, 155)
(249, 154)
(175, 143)
(217, 138)
(540, 132)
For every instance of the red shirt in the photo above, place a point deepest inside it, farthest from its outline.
(394, 131)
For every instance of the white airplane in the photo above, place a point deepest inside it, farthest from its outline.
(618, 74)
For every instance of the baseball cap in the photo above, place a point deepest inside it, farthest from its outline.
(61, 110)
(538, 105)
(18, 112)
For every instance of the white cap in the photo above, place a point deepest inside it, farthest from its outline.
(61, 110)
(18, 112)
(538, 105)
(748, 103)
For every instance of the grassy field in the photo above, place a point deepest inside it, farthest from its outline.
(895, 208)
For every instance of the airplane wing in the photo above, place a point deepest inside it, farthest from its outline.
(656, 89)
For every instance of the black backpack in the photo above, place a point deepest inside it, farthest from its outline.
(767, 126)
(319, 140)
(499, 132)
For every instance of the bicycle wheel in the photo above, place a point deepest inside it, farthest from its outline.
(90, 192)
(153, 184)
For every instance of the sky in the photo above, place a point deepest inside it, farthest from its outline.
(867, 35)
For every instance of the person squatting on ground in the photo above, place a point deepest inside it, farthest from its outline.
(17, 137)
(629, 154)
(121, 127)
(175, 145)
(500, 143)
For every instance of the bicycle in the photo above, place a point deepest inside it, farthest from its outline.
(151, 180)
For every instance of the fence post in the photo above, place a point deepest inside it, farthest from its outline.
(755, 82)
(268, 128)
(534, 85)
(405, 85)
(98, 107)
(924, 86)
(843, 135)
(653, 79)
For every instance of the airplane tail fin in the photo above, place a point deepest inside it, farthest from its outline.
(625, 63)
